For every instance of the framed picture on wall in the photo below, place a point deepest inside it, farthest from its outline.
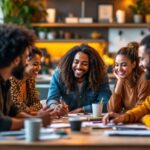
(105, 13)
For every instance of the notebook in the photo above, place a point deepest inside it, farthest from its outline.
(145, 133)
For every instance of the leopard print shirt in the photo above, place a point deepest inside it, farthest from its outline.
(29, 103)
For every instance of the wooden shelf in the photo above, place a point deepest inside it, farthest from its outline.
(90, 25)
(73, 40)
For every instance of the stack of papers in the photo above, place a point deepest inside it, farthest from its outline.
(97, 125)
(145, 133)
(128, 130)
(130, 127)
(45, 134)
(84, 117)
(12, 133)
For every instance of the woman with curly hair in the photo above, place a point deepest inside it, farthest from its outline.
(79, 81)
(23, 92)
(131, 87)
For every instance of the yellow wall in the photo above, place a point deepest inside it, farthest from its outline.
(58, 49)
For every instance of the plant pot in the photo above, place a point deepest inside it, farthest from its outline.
(147, 18)
(42, 35)
(51, 35)
(137, 18)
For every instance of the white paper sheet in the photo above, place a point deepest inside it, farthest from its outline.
(12, 133)
(97, 124)
(59, 125)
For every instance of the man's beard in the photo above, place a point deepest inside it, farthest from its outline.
(18, 72)
(147, 73)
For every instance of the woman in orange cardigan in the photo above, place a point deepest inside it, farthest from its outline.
(141, 112)
(131, 87)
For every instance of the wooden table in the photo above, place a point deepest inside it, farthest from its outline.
(78, 141)
(94, 141)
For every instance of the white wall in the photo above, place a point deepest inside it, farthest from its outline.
(117, 41)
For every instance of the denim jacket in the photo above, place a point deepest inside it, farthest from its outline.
(74, 99)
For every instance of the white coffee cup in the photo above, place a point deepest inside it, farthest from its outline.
(97, 109)
(32, 129)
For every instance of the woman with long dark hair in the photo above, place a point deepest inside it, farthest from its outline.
(79, 81)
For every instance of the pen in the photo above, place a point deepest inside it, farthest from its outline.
(63, 103)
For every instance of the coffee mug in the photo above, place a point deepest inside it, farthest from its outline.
(97, 109)
(75, 124)
(32, 129)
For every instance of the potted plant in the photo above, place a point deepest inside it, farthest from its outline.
(138, 10)
(51, 34)
(6, 7)
(23, 12)
(41, 32)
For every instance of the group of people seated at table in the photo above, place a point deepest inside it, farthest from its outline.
(79, 80)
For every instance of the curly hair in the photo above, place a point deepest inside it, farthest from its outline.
(33, 51)
(13, 42)
(97, 68)
(134, 45)
(146, 42)
(131, 52)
